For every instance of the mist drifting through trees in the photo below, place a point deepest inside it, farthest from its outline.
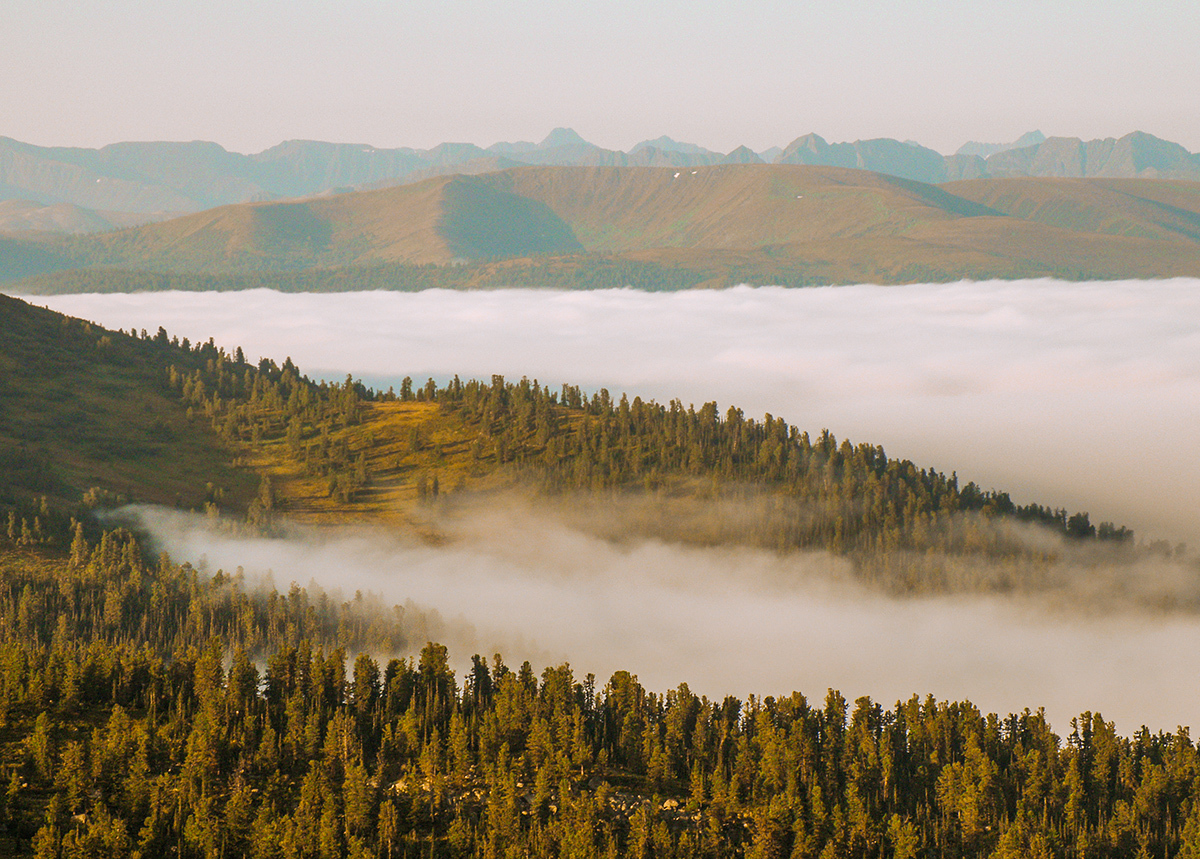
(736, 620)
(630, 537)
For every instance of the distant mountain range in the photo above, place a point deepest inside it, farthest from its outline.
(76, 190)
(656, 227)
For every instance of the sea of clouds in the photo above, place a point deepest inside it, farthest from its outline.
(1082, 395)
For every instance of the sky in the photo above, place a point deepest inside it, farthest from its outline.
(251, 73)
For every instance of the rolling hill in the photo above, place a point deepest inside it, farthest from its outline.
(437, 221)
(1141, 208)
(614, 210)
(661, 227)
(25, 216)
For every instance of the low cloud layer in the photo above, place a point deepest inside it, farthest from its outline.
(1070, 394)
(732, 621)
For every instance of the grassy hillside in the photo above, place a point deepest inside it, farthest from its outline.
(730, 207)
(82, 407)
(437, 221)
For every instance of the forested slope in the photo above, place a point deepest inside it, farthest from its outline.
(344, 453)
(147, 418)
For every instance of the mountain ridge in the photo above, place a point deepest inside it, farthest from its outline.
(160, 178)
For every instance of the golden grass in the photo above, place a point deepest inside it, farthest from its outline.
(384, 436)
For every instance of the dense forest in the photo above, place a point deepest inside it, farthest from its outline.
(596, 271)
(550, 272)
(566, 440)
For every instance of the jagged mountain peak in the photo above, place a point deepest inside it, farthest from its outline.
(562, 137)
(743, 155)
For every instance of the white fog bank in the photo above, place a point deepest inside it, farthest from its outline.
(1081, 395)
(731, 621)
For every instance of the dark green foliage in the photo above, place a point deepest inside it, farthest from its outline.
(864, 499)
(848, 498)
(902, 525)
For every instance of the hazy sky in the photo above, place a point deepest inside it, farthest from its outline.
(252, 73)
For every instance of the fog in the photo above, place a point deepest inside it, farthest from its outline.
(1081, 395)
(730, 621)
(1078, 395)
